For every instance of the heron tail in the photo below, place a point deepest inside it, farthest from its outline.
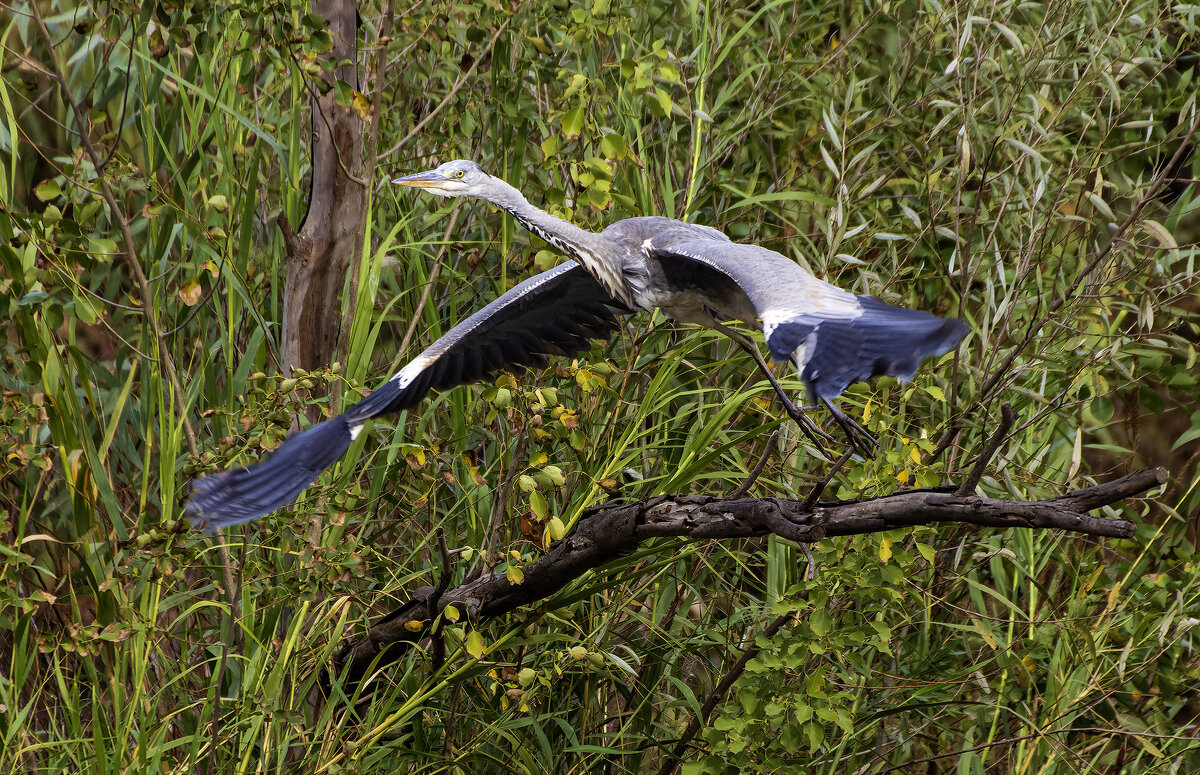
(242, 494)
(837, 352)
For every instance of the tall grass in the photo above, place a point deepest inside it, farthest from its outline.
(970, 158)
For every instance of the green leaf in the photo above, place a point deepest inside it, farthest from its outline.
(821, 622)
(538, 505)
(1190, 435)
(84, 310)
(572, 122)
(660, 104)
(343, 93)
(514, 574)
(577, 440)
(102, 248)
(556, 529)
(614, 147)
(1102, 408)
(320, 42)
(48, 189)
(1150, 399)
(51, 371)
(816, 735)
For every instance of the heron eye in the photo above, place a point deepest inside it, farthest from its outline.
(458, 174)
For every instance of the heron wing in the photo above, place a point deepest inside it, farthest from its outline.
(836, 337)
(553, 313)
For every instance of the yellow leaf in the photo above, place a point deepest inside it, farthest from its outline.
(414, 625)
(1114, 597)
(474, 644)
(885, 550)
(902, 477)
(362, 105)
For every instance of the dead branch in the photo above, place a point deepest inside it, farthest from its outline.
(610, 532)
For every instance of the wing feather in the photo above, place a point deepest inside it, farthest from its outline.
(551, 313)
(519, 329)
(836, 337)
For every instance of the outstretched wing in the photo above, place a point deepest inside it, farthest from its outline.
(836, 337)
(553, 313)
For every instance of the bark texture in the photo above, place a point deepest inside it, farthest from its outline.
(320, 254)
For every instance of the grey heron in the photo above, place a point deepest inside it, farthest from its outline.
(693, 273)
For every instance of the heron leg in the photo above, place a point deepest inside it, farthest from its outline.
(814, 434)
(859, 437)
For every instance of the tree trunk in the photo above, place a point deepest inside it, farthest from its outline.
(319, 256)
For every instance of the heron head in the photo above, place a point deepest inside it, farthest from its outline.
(454, 178)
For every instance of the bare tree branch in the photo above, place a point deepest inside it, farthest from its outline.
(610, 532)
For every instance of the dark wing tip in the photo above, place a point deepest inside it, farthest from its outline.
(239, 495)
(882, 340)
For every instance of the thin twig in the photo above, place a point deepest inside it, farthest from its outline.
(425, 292)
(727, 681)
(438, 642)
(447, 564)
(1007, 418)
(491, 541)
(811, 499)
(1005, 368)
(458, 84)
(752, 477)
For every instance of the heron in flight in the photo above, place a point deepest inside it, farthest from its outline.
(693, 273)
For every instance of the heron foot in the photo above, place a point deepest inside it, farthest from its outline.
(814, 434)
(860, 439)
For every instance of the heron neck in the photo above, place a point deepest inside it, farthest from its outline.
(583, 246)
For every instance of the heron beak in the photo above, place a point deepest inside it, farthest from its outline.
(431, 179)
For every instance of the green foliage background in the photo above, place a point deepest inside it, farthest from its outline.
(971, 158)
